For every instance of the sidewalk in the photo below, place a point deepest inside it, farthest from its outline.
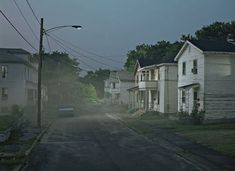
(16, 149)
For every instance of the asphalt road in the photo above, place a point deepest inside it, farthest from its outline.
(96, 142)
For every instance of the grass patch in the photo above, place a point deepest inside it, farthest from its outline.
(6, 121)
(220, 137)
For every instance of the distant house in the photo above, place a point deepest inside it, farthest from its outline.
(155, 86)
(116, 87)
(206, 78)
(18, 79)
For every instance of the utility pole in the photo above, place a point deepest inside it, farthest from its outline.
(40, 76)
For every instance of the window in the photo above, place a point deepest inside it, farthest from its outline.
(184, 68)
(158, 97)
(195, 96)
(114, 85)
(183, 96)
(4, 93)
(152, 74)
(4, 71)
(194, 70)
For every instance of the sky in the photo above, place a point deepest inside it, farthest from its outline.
(111, 28)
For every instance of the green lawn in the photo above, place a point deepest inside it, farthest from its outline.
(6, 121)
(220, 137)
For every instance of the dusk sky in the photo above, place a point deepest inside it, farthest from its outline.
(111, 27)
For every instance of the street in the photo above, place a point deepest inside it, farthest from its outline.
(98, 142)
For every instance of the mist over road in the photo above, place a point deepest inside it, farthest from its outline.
(96, 142)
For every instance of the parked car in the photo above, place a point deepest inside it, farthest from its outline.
(66, 110)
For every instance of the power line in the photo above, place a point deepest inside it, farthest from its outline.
(82, 55)
(18, 31)
(89, 52)
(26, 21)
(48, 43)
(33, 12)
(64, 48)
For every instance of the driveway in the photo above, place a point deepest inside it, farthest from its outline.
(96, 142)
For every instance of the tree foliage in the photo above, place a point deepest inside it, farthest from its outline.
(165, 51)
(96, 78)
(60, 76)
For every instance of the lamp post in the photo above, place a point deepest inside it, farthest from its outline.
(42, 32)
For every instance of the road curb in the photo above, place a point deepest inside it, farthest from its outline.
(28, 152)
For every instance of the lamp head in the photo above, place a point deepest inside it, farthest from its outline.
(77, 27)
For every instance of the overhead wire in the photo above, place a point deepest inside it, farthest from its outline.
(18, 31)
(82, 55)
(89, 52)
(33, 12)
(64, 48)
(26, 21)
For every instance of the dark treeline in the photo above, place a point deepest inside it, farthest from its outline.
(165, 51)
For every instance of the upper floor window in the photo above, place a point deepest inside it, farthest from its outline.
(114, 85)
(194, 69)
(4, 93)
(184, 68)
(4, 71)
(152, 74)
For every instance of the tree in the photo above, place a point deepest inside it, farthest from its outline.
(165, 51)
(60, 75)
(97, 78)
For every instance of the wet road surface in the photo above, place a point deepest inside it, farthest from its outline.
(96, 142)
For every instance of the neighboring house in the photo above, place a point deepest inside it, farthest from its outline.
(155, 87)
(18, 79)
(116, 87)
(206, 78)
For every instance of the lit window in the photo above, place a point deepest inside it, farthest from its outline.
(4, 71)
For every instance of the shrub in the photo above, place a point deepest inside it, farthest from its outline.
(196, 117)
(16, 111)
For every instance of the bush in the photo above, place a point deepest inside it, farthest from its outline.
(196, 117)
(16, 111)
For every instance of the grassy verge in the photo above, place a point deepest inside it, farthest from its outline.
(220, 137)
(6, 121)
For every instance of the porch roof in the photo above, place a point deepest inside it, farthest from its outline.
(193, 85)
(133, 88)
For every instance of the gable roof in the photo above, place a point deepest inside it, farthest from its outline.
(205, 46)
(147, 62)
(14, 51)
(125, 75)
(214, 46)
(121, 75)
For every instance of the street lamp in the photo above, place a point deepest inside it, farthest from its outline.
(42, 32)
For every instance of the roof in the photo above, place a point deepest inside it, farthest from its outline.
(9, 55)
(13, 51)
(122, 75)
(214, 46)
(8, 58)
(147, 62)
(211, 46)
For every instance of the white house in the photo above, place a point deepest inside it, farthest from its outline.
(116, 87)
(206, 78)
(155, 87)
(18, 79)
